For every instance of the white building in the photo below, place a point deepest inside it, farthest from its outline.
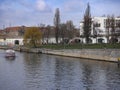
(11, 41)
(99, 31)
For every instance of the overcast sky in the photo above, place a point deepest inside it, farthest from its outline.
(34, 12)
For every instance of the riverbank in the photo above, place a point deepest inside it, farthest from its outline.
(110, 55)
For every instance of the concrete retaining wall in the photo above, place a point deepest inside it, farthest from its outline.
(97, 54)
(110, 55)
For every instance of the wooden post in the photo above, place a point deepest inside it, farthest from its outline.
(118, 61)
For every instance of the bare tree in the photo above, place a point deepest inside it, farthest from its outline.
(70, 25)
(118, 27)
(57, 24)
(108, 28)
(95, 33)
(70, 29)
(87, 24)
(112, 26)
(63, 31)
(21, 31)
(48, 29)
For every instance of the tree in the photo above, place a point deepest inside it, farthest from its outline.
(21, 31)
(95, 33)
(112, 26)
(63, 30)
(70, 25)
(32, 36)
(47, 33)
(118, 27)
(57, 24)
(67, 34)
(87, 24)
(70, 29)
(108, 27)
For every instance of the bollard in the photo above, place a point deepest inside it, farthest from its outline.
(118, 61)
(20, 49)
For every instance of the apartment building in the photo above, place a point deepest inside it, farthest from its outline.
(100, 33)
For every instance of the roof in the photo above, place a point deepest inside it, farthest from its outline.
(13, 28)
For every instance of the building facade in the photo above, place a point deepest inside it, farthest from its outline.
(14, 36)
(100, 32)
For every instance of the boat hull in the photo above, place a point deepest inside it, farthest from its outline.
(10, 53)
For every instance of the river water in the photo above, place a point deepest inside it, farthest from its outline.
(47, 72)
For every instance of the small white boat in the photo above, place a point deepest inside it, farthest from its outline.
(10, 53)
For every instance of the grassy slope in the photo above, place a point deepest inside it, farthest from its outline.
(82, 46)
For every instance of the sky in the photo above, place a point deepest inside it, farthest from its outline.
(36, 12)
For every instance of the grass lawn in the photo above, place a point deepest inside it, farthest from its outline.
(81, 46)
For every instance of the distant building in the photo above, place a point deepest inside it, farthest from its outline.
(15, 35)
(12, 36)
(99, 31)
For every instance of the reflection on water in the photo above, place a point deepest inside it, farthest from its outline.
(10, 58)
(45, 72)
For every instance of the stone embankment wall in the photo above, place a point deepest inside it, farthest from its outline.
(110, 55)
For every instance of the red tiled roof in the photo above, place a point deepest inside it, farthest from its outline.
(12, 28)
